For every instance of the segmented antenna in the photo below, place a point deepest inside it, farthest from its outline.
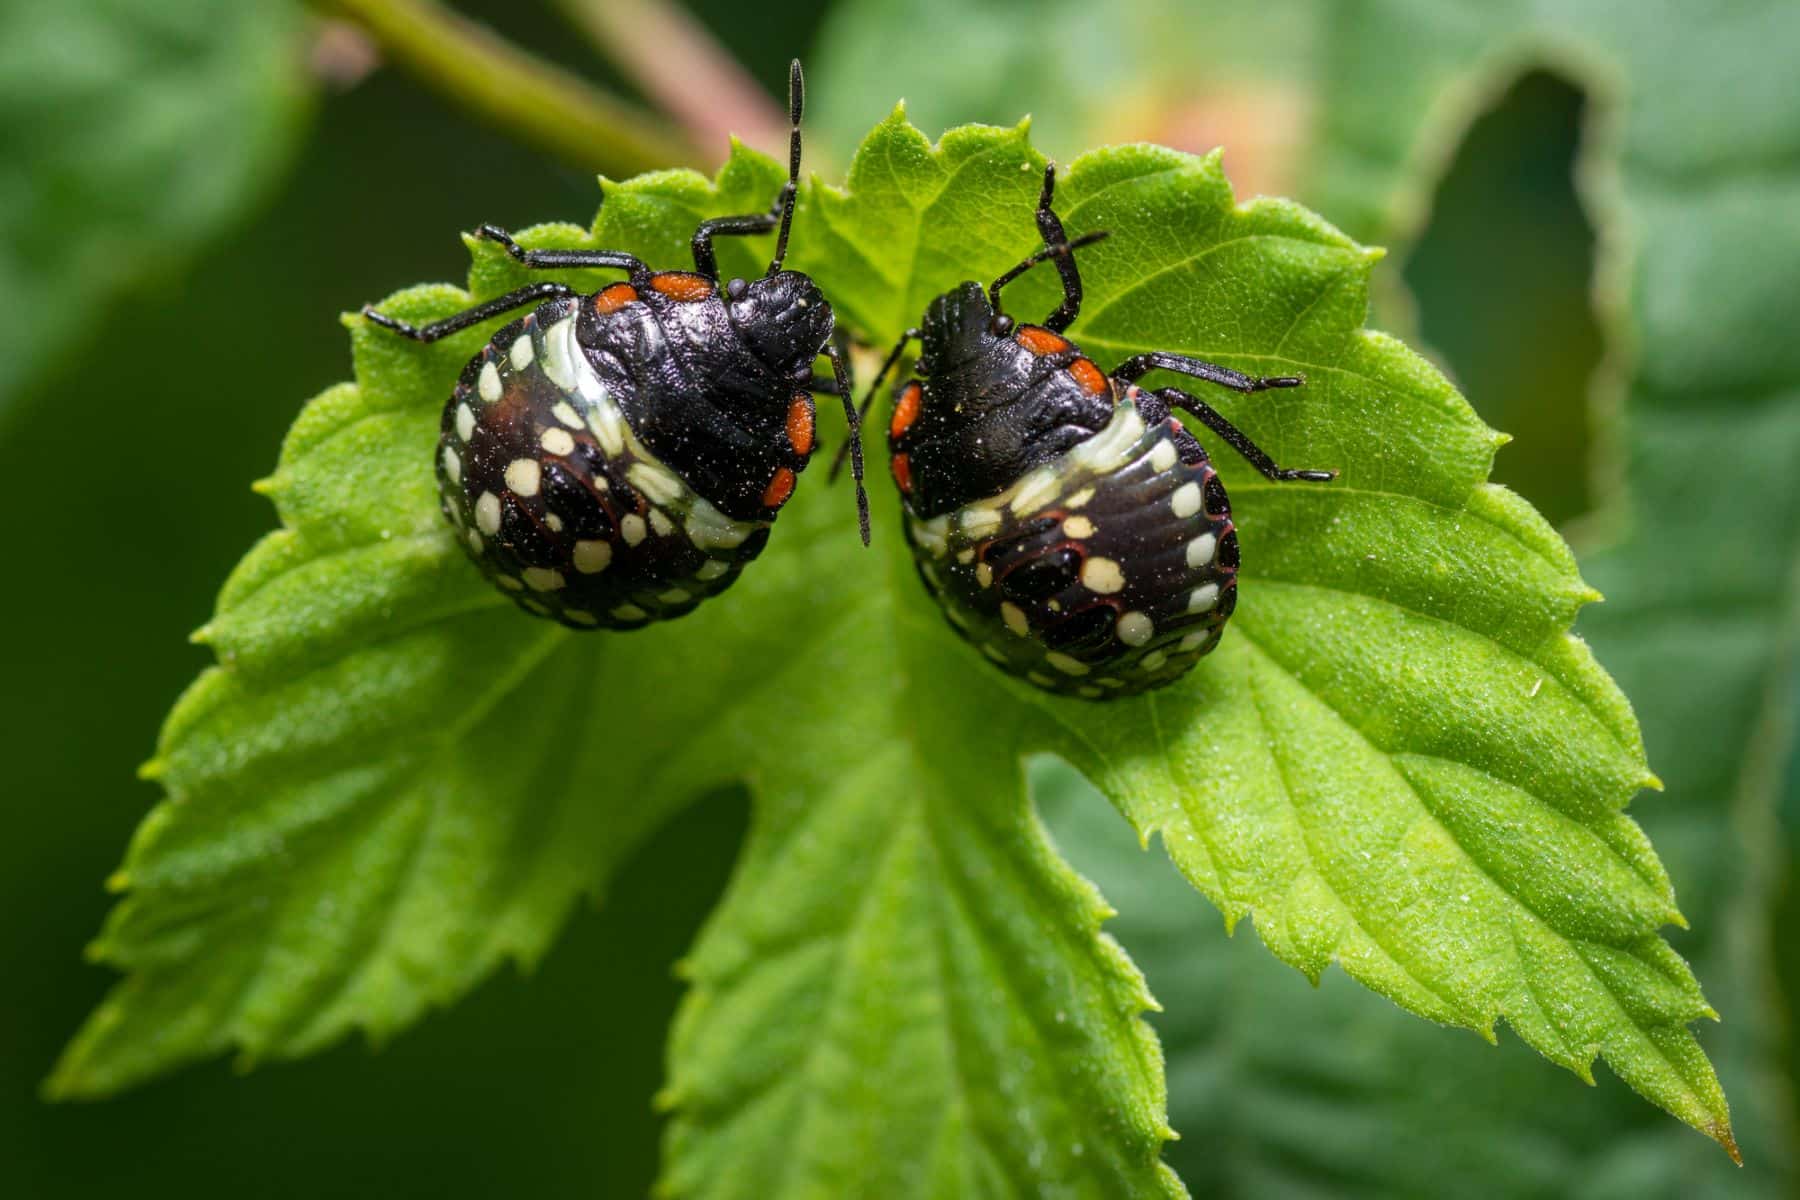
(796, 102)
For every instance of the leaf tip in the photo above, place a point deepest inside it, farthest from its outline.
(267, 485)
(200, 637)
(1651, 781)
(151, 770)
(118, 881)
(1720, 1132)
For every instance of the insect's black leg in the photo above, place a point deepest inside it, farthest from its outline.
(828, 385)
(887, 365)
(1133, 369)
(1236, 439)
(1058, 247)
(531, 294)
(846, 389)
(566, 260)
(780, 213)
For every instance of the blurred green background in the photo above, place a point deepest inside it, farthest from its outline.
(194, 190)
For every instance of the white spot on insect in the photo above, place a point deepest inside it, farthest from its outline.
(509, 583)
(1033, 491)
(1078, 527)
(710, 529)
(1200, 551)
(557, 441)
(660, 485)
(1153, 661)
(580, 617)
(675, 596)
(592, 555)
(487, 514)
(1065, 664)
(489, 383)
(994, 652)
(712, 569)
(629, 612)
(660, 522)
(1079, 499)
(965, 557)
(565, 412)
(1186, 500)
(632, 529)
(1091, 693)
(523, 476)
(976, 521)
(560, 352)
(532, 606)
(1103, 575)
(800, 302)
(1106, 451)
(1202, 598)
(1135, 628)
(542, 579)
(1014, 616)
(553, 523)
(465, 421)
(475, 543)
(452, 464)
(1196, 639)
(608, 425)
(1110, 682)
(956, 616)
(1163, 456)
(984, 575)
(521, 353)
(1041, 679)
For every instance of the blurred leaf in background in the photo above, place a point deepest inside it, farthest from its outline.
(129, 134)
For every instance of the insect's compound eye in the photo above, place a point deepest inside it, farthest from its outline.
(1002, 324)
(736, 289)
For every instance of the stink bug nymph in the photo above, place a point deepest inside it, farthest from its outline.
(1068, 524)
(614, 459)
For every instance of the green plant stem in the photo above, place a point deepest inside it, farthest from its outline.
(518, 92)
(679, 65)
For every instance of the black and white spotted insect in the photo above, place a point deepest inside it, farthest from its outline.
(614, 459)
(1069, 525)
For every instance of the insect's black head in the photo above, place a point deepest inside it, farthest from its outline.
(958, 326)
(782, 318)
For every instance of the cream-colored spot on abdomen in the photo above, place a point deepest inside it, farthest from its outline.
(1196, 639)
(1186, 500)
(1202, 598)
(1065, 664)
(565, 412)
(1103, 575)
(523, 476)
(632, 529)
(712, 569)
(1163, 456)
(1135, 628)
(553, 523)
(629, 612)
(1014, 616)
(660, 522)
(557, 441)
(509, 583)
(489, 383)
(1200, 551)
(521, 353)
(978, 521)
(542, 579)
(591, 556)
(1079, 498)
(487, 513)
(675, 596)
(984, 575)
(452, 465)
(1078, 527)
(465, 421)
(1034, 490)
(1153, 661)
(661, 486)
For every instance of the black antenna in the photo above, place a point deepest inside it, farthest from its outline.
(796, 102)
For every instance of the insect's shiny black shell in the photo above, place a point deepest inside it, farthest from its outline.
(550, 485)
(1107, 571)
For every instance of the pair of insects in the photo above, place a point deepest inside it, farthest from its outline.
(614, 459)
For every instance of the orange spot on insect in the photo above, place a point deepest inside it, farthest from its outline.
(906, 410)
(1039, 340)
(682, 285)
(1088, 375)
(779, 489)
(800, 424)
(901, 465)
(614, 298)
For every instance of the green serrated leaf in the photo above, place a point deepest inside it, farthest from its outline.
(1397, 759)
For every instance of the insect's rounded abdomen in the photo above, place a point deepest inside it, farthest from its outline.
(1106, 572)
(558, 501)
